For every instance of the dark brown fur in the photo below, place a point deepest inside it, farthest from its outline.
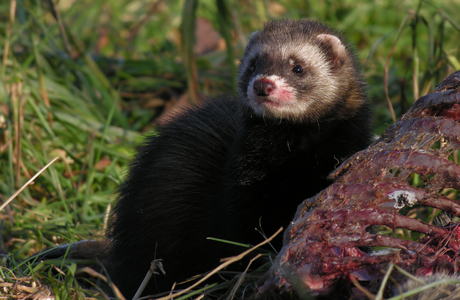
(220, 168)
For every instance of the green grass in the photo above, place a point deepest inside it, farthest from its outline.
(76, 82)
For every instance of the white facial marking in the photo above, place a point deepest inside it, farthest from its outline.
(282, 101)
(326, 83)
(280, 86)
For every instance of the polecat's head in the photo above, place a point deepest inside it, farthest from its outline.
(301, 71)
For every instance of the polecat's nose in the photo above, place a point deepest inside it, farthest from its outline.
(263, 87)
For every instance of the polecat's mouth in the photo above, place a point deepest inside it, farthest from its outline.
(271, 95)
(264, 101)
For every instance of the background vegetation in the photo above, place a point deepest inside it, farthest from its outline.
(83, 80)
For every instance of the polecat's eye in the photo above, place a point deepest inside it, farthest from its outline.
(252, 67)
(297, 70)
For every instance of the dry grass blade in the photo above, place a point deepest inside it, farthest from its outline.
(93, 273)
(221, 267)
(8, 35)
(387, 63)
(426, 287)
(61, 27)
(150, 13)
(225, 26)
(28, 182)
(156, 264)
(450, 20)
(25, 288)
(379, 295)
(241, 278)
(361, 288)
(188, 38)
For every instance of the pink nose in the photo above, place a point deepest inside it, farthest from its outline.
(263, 87)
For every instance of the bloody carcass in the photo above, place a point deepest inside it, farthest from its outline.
(331, 237)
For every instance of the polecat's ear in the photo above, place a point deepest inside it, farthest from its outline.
(334, 48)
(253, 35)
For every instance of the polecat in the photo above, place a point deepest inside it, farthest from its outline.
(219, 168)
